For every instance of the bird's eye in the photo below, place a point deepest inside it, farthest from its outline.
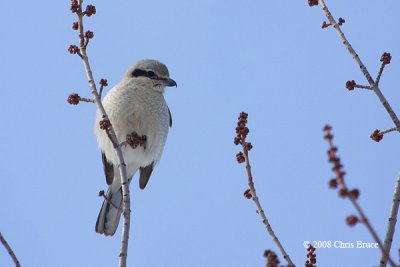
(151, 73)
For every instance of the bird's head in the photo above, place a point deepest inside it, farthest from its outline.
(151, 73)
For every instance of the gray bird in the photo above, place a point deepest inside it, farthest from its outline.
(136, 107)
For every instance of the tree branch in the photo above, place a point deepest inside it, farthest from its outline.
(377, 135)
(242, 131)
(260, 211)
(9, 250)
(84, 38)
(351, 194)
(374, 85)
(392, 222)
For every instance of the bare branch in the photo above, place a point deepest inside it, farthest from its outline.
(10, 251)
(392, 222)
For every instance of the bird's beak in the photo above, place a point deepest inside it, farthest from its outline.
(169, 82)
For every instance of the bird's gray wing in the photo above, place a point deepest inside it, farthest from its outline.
(145, 173)
(108, 169)
(170, 118)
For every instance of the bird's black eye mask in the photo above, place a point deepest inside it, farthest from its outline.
(143, 73)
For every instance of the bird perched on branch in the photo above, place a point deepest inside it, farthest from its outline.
(140, 116)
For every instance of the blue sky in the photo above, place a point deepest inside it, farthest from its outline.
(268, 58)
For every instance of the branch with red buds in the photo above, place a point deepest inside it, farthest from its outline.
(105, 124)
(103, 83)
(311, 257)
(240, 139)
(377, 135)
(271, 258)
(10, 251)
(327, 24)
(74, 99)
(344, 192)
(351, 85)
(385, 59)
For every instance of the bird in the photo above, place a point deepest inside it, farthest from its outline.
(136, 108)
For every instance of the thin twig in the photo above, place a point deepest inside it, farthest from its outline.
(86, 100)
(388, 130)
(378, 78)
(111, 133)
(260, 211)
(367, 87)
(101, 193)
(392, 221)
(240, 138)
(103, 83)
(9, 250)
(86, 42)
(374, 85)
(101, 91)
(345, 192)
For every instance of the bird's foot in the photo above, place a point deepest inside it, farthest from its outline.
(135, 140)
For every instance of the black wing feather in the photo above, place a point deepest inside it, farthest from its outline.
(145, 173)
(108, 169)
(170, 118)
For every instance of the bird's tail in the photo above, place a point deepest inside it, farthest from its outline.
(110, 213)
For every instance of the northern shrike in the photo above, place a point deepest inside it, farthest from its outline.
(135, 106)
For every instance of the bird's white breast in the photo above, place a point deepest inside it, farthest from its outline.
(133, 108)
